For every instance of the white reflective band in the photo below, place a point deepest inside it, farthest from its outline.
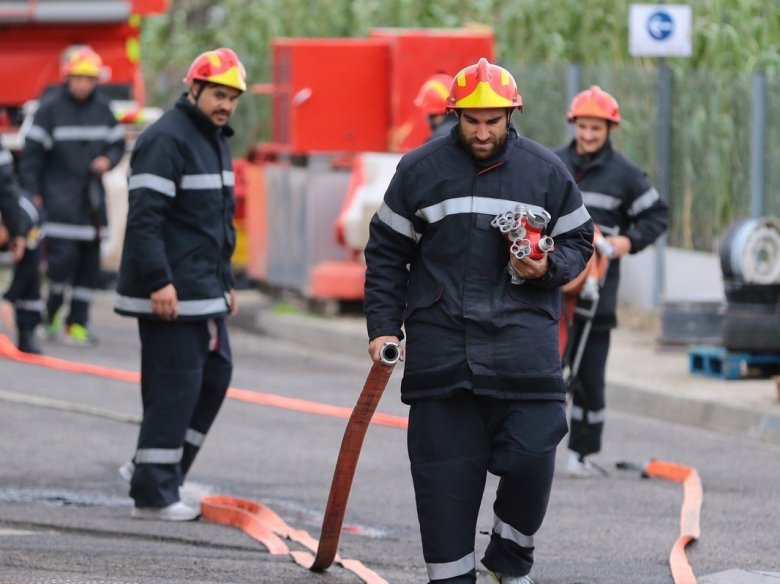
(600, 200)
(186, 307)
(597, 417)
(506, 531)
(68, 231)
(228, 178)
(83, 294)
(610, 230)
(396, 222)
(483, 205)
(89, 133)
(201, 181)
(30, 305)
(194, 437)
(571, 221)
(115, 134)
(158, 455)
(29, 208)
(38, 134)
(153, 183)
(644, 202)
(5, 157)
(57, 287)
(452, 569)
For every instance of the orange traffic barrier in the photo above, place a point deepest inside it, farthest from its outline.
(264, 525)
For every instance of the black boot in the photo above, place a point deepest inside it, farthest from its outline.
(27, 342)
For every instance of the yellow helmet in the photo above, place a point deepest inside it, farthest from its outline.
(484, 85)
(220, 66)
(82, 61)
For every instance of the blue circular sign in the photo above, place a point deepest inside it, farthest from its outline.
(660, 25)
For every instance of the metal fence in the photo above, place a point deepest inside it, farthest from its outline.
(714, 140)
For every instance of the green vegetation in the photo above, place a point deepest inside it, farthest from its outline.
(536, 40)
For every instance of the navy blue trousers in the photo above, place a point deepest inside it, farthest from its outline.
(74, 262)
(588, 399)
(184, 379)
(453, 443)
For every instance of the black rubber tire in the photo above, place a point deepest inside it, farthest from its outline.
(751, 327)
(740, 292)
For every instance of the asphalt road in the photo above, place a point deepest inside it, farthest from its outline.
(64, 512)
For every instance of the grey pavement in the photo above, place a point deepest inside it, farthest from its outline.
(643, 376)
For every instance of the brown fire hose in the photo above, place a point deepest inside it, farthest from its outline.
(351, 444)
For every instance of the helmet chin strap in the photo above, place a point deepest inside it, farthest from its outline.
(196, 90)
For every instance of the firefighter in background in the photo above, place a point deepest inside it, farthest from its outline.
(432, 100)
(483, 371)
(175, 278)
(631, 215)
(74, 139)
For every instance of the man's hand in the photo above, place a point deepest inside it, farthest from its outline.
(165, 303)
(100, 165)
(233, 302)
(621, 243)
(375, 347)
(16, 247)
(528, 269)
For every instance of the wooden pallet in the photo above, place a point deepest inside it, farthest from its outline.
(717, 362)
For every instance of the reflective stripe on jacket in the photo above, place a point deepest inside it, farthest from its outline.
(467, 326)
(180, 218)
(621, 201)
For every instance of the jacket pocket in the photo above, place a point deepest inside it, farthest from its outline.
(544, 300)
(421, 300)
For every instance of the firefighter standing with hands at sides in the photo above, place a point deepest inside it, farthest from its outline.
(175, 277)
(74, 139)
(631, 214)
(483, 372)
(432, 100)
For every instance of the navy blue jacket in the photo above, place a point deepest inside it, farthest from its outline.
(621, 200)
(65, 137)
(180, 217)
(435, 265)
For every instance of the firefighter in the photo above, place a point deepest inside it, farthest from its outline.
(631, 215)
(432, 101)
(483, 374)
(74, 139)
(12, 236)
(175, 278)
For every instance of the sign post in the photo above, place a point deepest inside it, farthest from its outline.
(661, 30)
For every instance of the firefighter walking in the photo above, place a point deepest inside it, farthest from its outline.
(483, 373)
(74, 139)
(175, 278)
(631, 215)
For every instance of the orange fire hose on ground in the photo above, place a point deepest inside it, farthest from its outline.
(690, 512)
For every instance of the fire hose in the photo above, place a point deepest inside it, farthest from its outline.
(690, 513)
(351, 444)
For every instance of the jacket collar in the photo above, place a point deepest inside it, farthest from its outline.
(200, 120)
(584, 163)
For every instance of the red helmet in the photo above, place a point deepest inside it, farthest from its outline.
(594, 103)
(220, 66)
(484, 85)
(82, 61)
(432, 97)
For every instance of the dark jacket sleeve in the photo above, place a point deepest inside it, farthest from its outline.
(9, 198)
(391, 247)
(115, 143)
(37, 142)
(649, 214)
(155, 170)
(572, 231)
